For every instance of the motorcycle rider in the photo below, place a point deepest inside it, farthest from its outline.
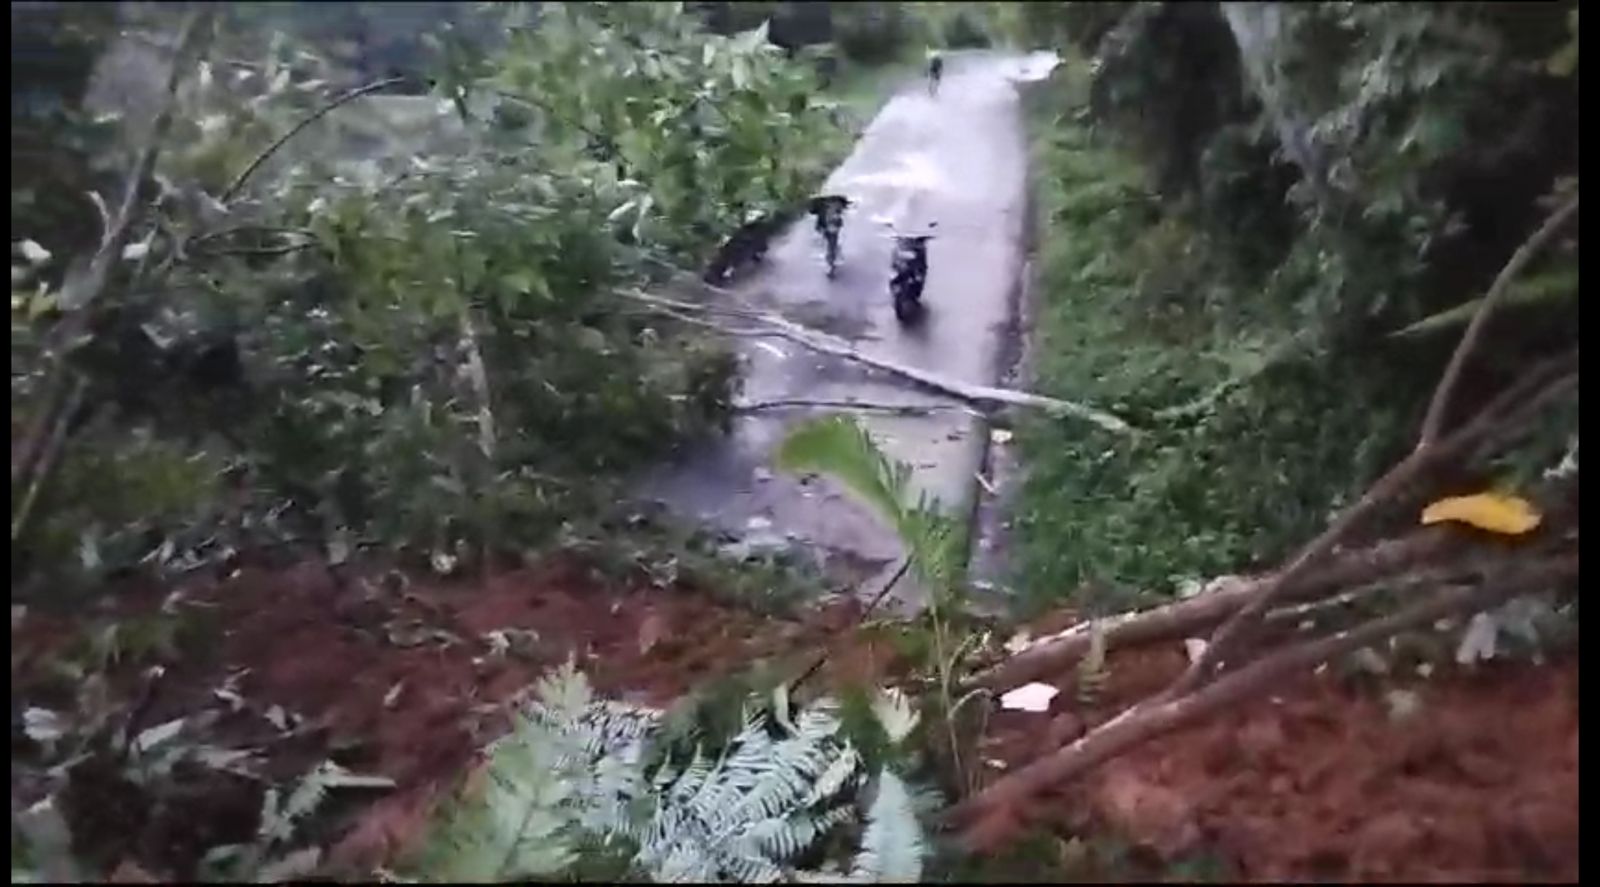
(829, 210)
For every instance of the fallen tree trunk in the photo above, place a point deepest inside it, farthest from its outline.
(1186, 618)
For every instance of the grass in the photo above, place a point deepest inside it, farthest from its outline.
(1135, 313)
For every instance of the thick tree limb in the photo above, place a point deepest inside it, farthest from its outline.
(84, 284)
(1187, 618)
(774, 325)
(1153, 718)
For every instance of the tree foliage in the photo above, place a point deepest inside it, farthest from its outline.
(410, 341)
(1411, 141)
(718, 129)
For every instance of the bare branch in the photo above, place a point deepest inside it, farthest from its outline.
(894, 579)
(1517, 404)
(1442, 394)
(47, 457)
(349, 96)
(801, 403)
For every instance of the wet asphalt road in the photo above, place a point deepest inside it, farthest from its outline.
(955, 161)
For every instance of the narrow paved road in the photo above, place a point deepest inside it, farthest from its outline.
(957, 159)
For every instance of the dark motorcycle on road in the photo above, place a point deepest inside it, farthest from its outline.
(829, 210)
(909, 275)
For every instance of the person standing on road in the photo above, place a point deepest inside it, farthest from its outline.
(935, 71)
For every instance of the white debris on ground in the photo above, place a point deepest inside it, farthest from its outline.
(1033, 697)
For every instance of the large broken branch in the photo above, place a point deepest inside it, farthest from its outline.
(1187, 618)
(800, 403)
(85, 284)
(770, 324)
(1514, 406)
(1161, 715)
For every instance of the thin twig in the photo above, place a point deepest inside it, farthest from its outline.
(350, 96)
(48, 457)
(1442, 395)
(905, 564)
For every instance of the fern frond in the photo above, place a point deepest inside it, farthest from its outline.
(517, 828)
(575, 766)
(835, 778)
(785, 838)
(891, 847)
(278, 821)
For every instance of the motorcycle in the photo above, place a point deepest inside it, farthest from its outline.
(829, 210)
(909, 275)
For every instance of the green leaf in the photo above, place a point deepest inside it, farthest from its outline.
(522, 281)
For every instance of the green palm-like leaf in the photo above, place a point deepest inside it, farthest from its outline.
(841, 448)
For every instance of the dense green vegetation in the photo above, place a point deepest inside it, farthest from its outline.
(425, 350)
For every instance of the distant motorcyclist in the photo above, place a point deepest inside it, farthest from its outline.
(935, 72)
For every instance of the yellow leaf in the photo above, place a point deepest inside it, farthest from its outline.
(1496, 512)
